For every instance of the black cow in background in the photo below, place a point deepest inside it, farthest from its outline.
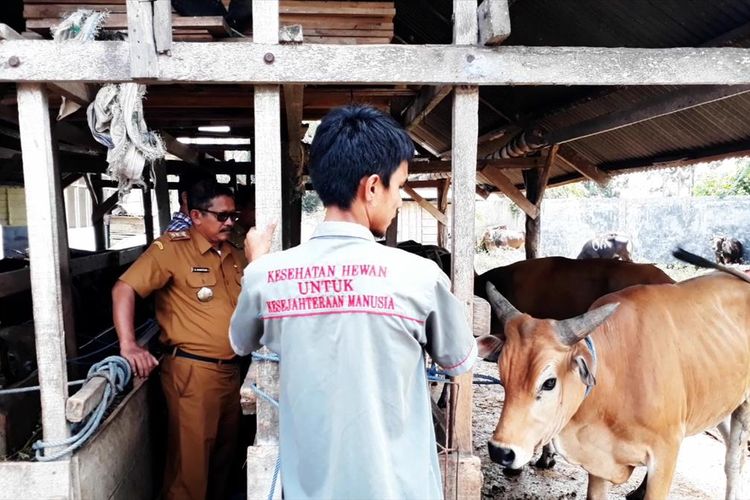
(608, 246)
(727, 250)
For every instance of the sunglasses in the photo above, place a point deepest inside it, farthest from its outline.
(222, 216)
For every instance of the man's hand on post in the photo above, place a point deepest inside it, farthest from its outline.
(141, 361)
(258, 243)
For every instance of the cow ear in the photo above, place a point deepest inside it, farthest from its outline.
(583, 370)
(489, 347)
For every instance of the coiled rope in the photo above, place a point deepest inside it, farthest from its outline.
(116, 371)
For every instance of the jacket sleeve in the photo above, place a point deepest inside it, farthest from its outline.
(450, 342)
(246, 326)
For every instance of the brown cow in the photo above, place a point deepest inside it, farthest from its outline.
(659, 362)
(502, 237)
(560, 288)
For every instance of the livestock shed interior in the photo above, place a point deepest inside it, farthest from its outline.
(565, 91)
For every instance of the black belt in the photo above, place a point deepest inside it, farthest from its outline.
(176, 351)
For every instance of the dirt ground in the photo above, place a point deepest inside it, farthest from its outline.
(700, 473)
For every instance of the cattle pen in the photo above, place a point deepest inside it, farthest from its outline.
(541, 94)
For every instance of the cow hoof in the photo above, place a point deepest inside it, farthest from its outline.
(545, 462)
(512, 472)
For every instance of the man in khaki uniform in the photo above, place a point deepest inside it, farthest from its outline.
(195, 276)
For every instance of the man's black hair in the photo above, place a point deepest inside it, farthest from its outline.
(353, 142)
(202, 193)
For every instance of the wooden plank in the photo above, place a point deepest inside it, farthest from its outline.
(222, 62)
(35, 480)
(97, 194)
(116, 463)
(586, 168)
(391, 234)
(148, 215)
(504, 184)
(429, 96)
(163, 26)
(140, 19)
(59, 9)
(349, 9)
(429, 207)
(494, 22)
(214, 24)
(50, 271)
(80, 404)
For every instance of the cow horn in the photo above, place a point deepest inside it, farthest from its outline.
(504, 310)
(575, 329)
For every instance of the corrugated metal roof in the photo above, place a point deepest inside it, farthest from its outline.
(613, 23)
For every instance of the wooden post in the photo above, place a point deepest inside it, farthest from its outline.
(261, 457)
(163, 26)
(94, 185)
(143, 62)
(533, 224)
(391, 234)
(148, 214)
(442, 198)
(50, 267)
(161, 188)
(465, 480)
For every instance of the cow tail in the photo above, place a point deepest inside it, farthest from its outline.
(696, 260)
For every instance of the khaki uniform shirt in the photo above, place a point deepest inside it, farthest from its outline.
(176, 267)
(351, 320)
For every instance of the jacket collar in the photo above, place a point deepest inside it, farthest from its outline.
(329, 229)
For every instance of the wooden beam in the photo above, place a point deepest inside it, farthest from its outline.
(428, 98)
(431, 209)
(391, 234)
(143, 62)
(442, 166)
(77, 92)
(585, 167)
(222, 62)
(500, 180)
(80, 404)
(494, 22)
(653, 107)
(106, 207)
(545, 173)
(180, 150)
(163, 26)
(50, 269)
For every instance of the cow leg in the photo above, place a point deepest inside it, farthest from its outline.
(598, 488)
(547, 460)
(640, 492)
(661, 468)
(735, 457)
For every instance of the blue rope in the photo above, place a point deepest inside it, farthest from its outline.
(435, 375)
(274, 358)
(116, 370)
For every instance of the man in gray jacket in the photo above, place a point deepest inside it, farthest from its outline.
(351, 321)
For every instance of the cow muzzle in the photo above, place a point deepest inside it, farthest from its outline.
(501, 455)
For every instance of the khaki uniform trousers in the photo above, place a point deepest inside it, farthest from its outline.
(203, 406)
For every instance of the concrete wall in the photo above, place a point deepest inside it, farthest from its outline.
(655, 225)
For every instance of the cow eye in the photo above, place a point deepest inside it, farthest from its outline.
(549, 384)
